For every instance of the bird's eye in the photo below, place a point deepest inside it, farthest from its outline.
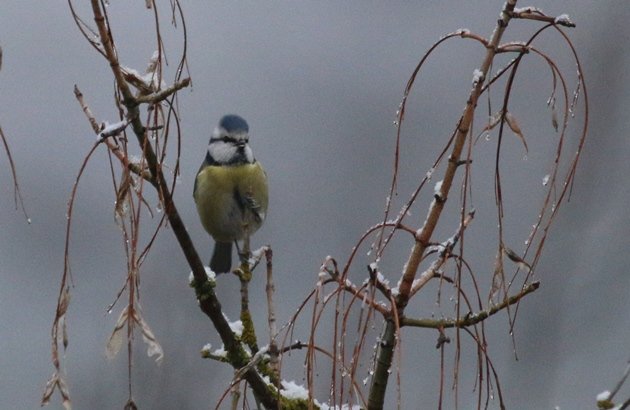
(225, 138)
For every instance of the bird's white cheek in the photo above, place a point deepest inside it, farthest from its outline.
(221, 152)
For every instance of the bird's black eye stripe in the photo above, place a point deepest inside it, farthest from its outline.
(224, 138)
(230, 140)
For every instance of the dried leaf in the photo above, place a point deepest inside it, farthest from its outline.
(153, 63)
(65, 393)
(497, 277)
(51, 384)
(136, 79)
(64, 331)
(131, 405)
(116, 339)
(57, 382)
(554, 118)
(517, 259)
(153, 347)
(493, 121)
(64, 302)
(122, 196)
(513, 124)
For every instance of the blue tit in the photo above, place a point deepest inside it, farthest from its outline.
(231, 190)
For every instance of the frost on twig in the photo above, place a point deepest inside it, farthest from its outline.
(111, 130)
(219, 354)
(156, 97)
(564, 20)
(150, 81)
(151, 88)
(211, 276)
(104, 132)
(605, 399)
(533, 13)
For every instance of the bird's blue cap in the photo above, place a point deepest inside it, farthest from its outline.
(234, 124)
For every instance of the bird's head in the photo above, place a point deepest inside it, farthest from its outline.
(229, 142)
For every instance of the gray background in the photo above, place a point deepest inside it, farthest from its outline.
(319, 84)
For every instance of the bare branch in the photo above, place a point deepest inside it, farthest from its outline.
(360, 294)
(271, 316)
(17, 193)
(531, 13)
(114, 149)
(470, 319)
(462, 131)
(163, 94)
(445, 249)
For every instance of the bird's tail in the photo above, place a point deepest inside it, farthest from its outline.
(221, 261)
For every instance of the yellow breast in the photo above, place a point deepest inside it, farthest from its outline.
(219, 195)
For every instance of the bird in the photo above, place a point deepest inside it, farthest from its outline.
(230, 191)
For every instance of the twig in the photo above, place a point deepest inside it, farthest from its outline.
(445, 252)
(620, 383)
(360, 294)
(274, 362)
(133, 167)
(249, 332)
(531, 13)
(164, 94)
(17, 194)
(470, 319)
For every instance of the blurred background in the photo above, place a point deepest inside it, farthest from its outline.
(319, 84)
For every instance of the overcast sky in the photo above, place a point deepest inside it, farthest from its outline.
(319, 84)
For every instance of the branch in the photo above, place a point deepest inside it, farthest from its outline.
(470, 319)
(133, 167)
(425, 233)
(359, 293)
(423, 238)
(164, 94)
(605, 399)
(274, 362)
(532, 13)
(445, 248)
(206, 296)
